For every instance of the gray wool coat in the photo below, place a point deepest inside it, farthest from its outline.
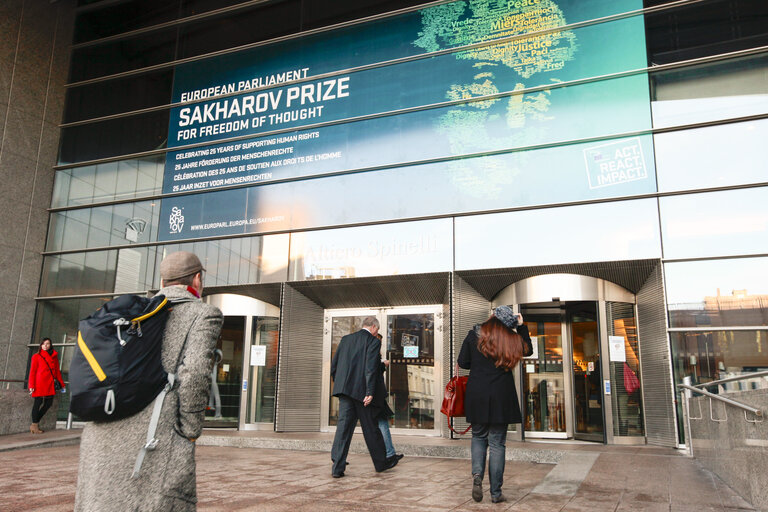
(108, 450)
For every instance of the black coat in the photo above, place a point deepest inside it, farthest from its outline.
(379, 403)
(355, 366)
(491, 396)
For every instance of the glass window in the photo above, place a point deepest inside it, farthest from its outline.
(405, 248)
(716, 156)
(320, 13)
(115, 137)
(240, 27)
(706, 356)
(732, 222)
(717, 293)
(710, 92)
(122, 55)
(119, 17)
(627, 400)
(118, 96)
(192, 7)
(623, 230)
(705, 28)
(58, 319)
(250, 260)
(120, 224)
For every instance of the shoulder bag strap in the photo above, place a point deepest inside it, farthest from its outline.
(49, 369)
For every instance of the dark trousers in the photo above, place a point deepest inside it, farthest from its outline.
(350, 411)
(40, 407)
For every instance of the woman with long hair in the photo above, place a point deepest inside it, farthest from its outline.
(490, 352)
(44, 372)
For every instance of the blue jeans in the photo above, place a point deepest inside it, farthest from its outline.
(495, 436)
(384, 427)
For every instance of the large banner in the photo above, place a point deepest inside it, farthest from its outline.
(341, 101)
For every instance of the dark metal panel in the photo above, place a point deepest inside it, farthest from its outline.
(447, 362)
(656, 362)
(301, 364)
(469, 308)
(631, 274)
(372, 292)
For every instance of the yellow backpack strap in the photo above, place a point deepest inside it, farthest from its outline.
(90, 358)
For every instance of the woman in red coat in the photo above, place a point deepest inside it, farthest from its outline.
(43, 369)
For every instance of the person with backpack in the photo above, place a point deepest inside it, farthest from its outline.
(490, 352)
(44, 380)
(110, 475)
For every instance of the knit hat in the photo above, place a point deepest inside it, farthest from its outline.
(506, 316)
(179, 264)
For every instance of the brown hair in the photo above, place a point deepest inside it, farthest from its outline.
(500, 344)
(40, 349)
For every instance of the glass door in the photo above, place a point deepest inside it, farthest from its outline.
(587, 374)
(224, 404)
(414, 378)
(338, 324)
(545, 386)
(412, 342)
(262, 371)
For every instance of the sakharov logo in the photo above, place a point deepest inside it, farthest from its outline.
(176, 220)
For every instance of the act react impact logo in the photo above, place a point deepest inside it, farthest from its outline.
(175, 220)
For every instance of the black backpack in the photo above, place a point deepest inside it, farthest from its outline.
(117, 370)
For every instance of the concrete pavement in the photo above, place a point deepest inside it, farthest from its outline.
(271, 480)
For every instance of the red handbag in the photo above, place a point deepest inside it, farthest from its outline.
(631, 382)
(453, 400)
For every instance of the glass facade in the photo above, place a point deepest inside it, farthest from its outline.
(548, 147)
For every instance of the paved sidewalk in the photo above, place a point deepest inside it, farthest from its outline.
(270, 480)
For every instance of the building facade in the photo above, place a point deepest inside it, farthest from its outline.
(596, 165)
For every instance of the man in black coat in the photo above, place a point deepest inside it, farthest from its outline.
(355, 368)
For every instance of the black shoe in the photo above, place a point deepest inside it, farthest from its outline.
(338, 475)
(391, 462)
(477, 488)
(500, 499)
(399, 456)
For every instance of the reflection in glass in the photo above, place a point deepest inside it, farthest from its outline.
(706, 356)
(403, 248)
(112, 57)
(119, 224)
(544, 391)
(587, 375)
(625, 376)
(227, 374)
(342, 325)
(627, 230)
(731, 222)
(113, 137)
(710, 92)
(716, 156)
(250, 260)
(718, 293)
(57, 319)
(411, 373)
(263, 379)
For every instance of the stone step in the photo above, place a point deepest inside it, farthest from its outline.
(408, 445)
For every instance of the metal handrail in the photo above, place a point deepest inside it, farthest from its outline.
(732, 379)
(756, 412)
